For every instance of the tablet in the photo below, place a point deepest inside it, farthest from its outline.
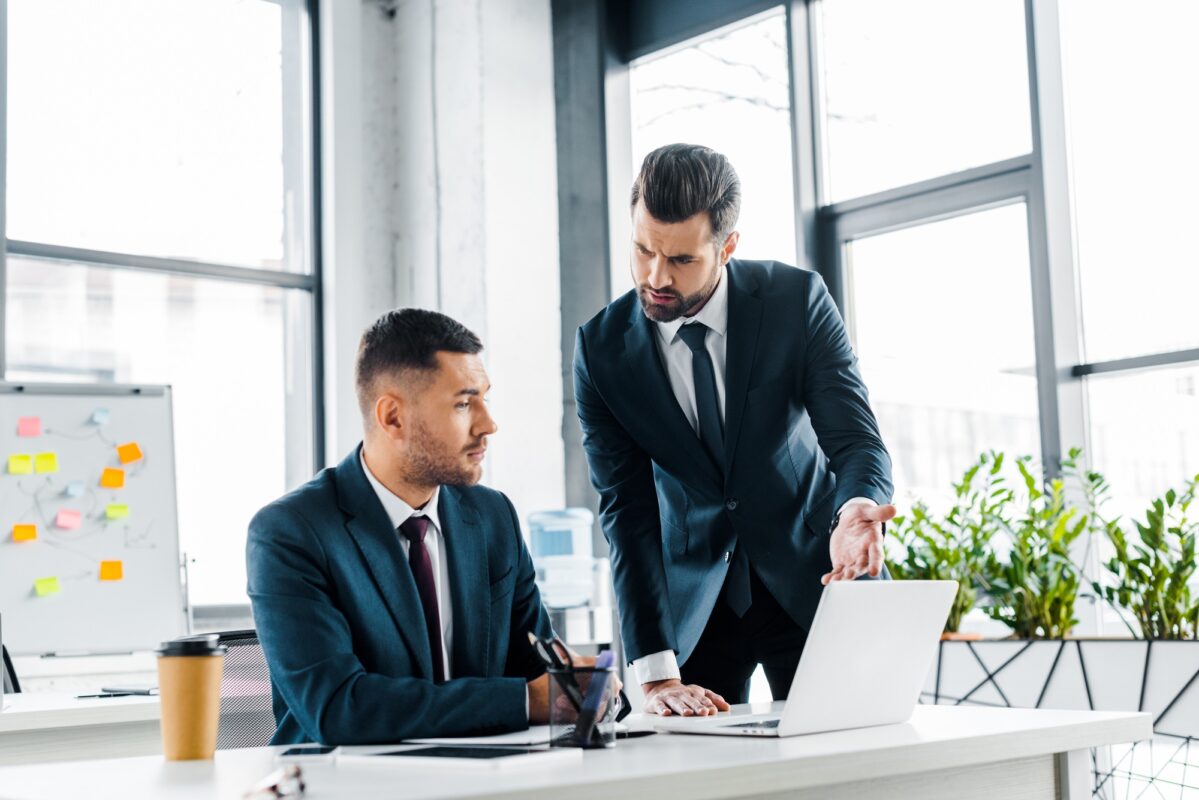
(478, 757)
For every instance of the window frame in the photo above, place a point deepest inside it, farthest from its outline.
(309, 108)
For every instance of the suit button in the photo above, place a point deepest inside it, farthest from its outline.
(728, 555)
(731, 504)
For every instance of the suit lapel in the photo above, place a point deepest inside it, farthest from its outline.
(745, 321)
(370, 527)
(646, 376)
(466, 561)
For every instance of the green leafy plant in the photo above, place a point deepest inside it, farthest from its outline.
(1033, 588)
(1153, 572)
(954, 546)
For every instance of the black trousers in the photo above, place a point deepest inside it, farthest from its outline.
(731, 648)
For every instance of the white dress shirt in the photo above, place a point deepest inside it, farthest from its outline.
(676, 357)
(399, 512)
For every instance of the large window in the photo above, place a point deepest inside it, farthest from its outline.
(919, 89)
(1131, 126)
(729, 91)
(927, 141)
(159, 230)
(946, 381)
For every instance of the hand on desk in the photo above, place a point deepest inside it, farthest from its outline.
(856, 546)
(672, 696)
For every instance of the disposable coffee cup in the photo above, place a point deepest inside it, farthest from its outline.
(189, 690)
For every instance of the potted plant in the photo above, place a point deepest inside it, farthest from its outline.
(1032, 584)
(1033, 587)
(954, 546)
(1151, 576)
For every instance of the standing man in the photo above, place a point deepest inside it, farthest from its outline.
(729, 436)
(394, 596)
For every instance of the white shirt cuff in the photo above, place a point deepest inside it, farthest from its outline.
(659, 666)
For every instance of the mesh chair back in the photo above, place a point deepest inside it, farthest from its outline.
(247, 718)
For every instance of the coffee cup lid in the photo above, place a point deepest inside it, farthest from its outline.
(201, 645)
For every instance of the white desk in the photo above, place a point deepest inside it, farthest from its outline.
(942, 752)
(56, 726)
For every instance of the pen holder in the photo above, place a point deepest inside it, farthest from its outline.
(590, 723)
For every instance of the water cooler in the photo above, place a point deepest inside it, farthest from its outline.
(575, 585)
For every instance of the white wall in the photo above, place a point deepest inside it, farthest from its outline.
(358, 167)
(441, 192)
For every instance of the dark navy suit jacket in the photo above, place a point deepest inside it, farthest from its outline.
(800, 440)
(341, 625)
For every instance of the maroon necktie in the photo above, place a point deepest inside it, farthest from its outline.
(414, 529)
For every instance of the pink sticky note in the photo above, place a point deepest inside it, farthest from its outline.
(68, 519)
(29, 426)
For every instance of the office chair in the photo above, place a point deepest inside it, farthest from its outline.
(247, 716)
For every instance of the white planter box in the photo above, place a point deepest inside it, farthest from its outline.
(1158, 677)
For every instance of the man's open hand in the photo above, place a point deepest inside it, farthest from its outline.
(856, 546)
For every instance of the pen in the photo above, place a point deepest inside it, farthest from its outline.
(121, 690)
(558, 671)
(547, 654)
(585, 725)
(103, 694)
(633, 734)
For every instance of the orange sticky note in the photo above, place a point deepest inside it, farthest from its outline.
(112, 478)
(24, 533)
(111, 571)
(129, 452)
(68, 519)
(29, 426)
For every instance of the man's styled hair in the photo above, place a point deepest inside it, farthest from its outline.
(406, 339)
(678, 181)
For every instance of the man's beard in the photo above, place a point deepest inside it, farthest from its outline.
(431, 464)
(681, 306)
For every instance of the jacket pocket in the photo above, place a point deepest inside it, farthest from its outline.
(673, 537)
(503, 585)
(820, 514)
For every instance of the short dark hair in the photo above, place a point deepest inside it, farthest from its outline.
(406, 339)
(678, 181)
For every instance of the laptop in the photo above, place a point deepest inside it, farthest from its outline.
(867, 657)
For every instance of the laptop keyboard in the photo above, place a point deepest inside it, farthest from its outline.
(769, 723)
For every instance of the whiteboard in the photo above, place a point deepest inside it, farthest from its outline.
(89, 543)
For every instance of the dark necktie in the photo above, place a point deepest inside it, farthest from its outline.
(711, 432)
(414, 529)
(707, 402)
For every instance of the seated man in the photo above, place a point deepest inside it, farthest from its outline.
(393, 596)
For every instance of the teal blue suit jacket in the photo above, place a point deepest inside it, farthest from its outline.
(800, 440)
(341, 625)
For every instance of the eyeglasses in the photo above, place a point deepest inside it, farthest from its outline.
(287, 781)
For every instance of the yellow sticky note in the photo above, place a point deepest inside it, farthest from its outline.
(112, 478)
(46, 462)
(46, 586)
(24, 533)
(20, 464)
(117, 511)
(129, 452)
(111, 571)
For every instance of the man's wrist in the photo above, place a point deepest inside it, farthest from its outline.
(862, 501)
